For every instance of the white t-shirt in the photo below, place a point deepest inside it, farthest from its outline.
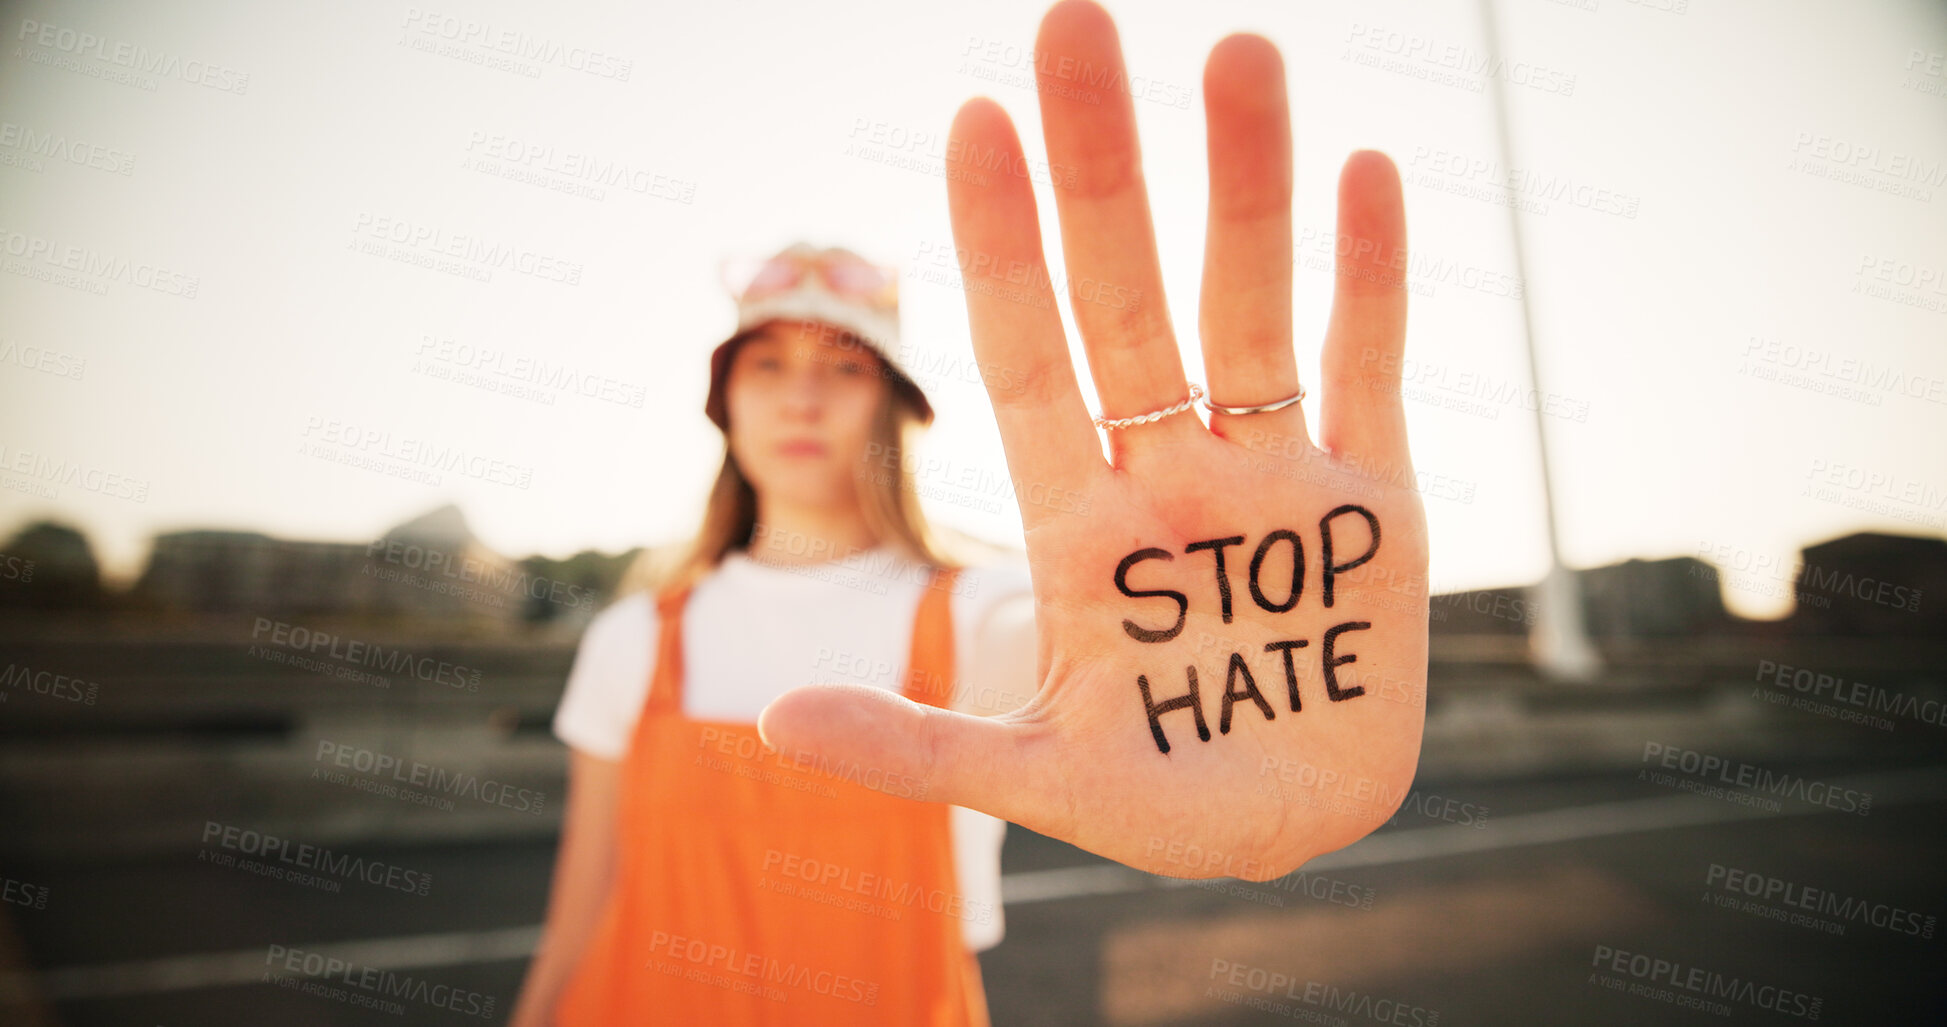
(752, 631)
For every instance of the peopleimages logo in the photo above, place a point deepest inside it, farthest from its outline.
(1695, 986)
(47, 683)
(878, 887)
(375, 988)
(511, 581)
(1821, 685)
(1262, 989)
(76, 43)
(748, 755)
(437, 781)
(312, 857)
(1746, 775)
(354, 652)
(513, 43)
(1822, 901)
(57, 146)
(754, 971)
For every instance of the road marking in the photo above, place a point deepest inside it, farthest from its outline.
(247, 966)
(1571, 823)
(465, 948)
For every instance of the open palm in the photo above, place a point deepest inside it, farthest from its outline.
(1285, 578)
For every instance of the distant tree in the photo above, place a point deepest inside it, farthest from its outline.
(49, 566)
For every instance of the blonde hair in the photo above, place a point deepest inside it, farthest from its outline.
(888, 501)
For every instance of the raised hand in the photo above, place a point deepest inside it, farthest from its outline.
(1233, 634)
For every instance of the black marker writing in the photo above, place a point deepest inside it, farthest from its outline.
(1216, 547)
(1142, 634)
(1290, 672)
(1297, 570)
(1325, 541)
(1231, 694)
(1156, 709)
(1239, 682)
(1331, 662)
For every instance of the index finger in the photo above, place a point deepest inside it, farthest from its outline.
(1045, 427)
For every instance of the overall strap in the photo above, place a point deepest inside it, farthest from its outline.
(929, 663)
(666, 676)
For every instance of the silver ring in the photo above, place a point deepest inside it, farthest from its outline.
(1266, 408)
(1154, 415)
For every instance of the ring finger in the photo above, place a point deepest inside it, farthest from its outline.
(1245, 315)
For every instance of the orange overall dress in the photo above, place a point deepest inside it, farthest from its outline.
(754, 888)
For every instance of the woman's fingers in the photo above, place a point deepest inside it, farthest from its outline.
(1017, 333)
(1245, 317)
(1115, 281)
(1366, 338)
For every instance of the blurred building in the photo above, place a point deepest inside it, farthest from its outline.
(1654, 599)
(1481, 611)
(428, 568)
(1873, 584)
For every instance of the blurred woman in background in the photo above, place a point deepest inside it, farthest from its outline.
(703, 878)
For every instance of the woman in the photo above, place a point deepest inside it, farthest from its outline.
(702, 877)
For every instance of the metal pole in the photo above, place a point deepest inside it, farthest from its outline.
(1559, 642)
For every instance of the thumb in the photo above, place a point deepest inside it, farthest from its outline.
(891, 744)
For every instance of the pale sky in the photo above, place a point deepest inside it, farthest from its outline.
(1752, 362)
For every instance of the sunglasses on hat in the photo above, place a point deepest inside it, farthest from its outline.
(842, 272)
